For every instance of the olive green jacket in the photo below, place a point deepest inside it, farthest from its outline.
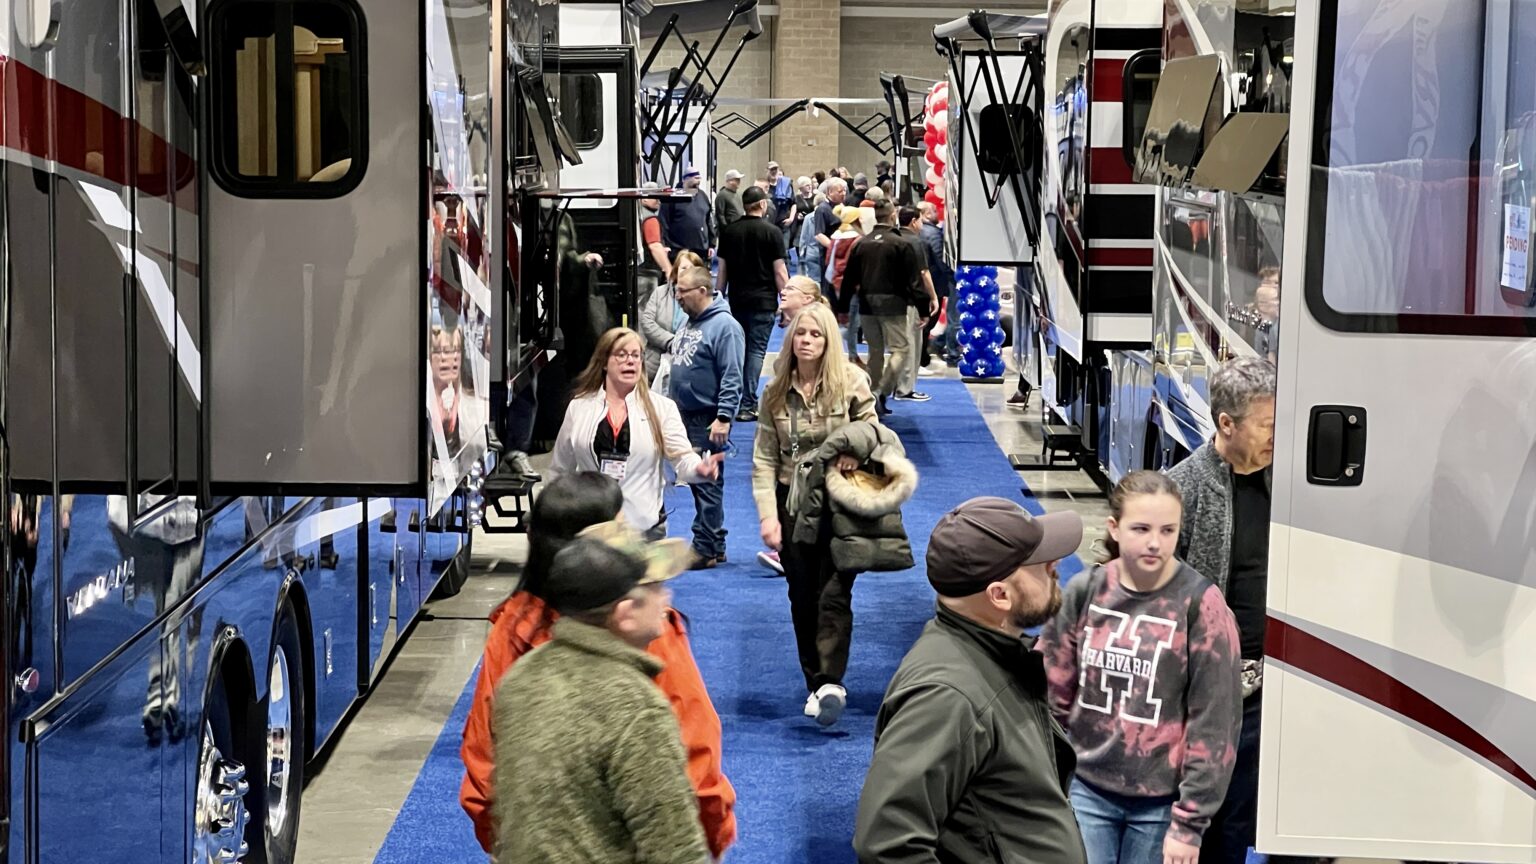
(589, 758)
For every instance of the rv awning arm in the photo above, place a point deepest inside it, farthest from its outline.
(671, 113)
(773, 122)
(899, 107)
(991, 26)
(988, 27)
(859, 129)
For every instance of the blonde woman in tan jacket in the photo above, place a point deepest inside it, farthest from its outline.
(814, 391)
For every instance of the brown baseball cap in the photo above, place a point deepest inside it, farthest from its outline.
(985, 539)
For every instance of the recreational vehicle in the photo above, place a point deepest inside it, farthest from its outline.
(256, 256)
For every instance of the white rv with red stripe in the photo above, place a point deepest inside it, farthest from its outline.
(1085, 329)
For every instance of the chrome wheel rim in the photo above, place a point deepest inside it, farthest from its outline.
(279, 742)
(219, 816)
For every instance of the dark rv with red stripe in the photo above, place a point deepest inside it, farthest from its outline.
(271, 271)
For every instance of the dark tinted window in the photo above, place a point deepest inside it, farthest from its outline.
(288, 86)
(581, 108)
(1140, 85)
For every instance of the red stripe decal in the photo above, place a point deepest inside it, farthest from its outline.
(1107, 165)
(92, 138)
(1101, 257)
(1314, 656)
(1108, 80)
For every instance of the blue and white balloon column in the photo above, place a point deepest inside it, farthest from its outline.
(981, 334)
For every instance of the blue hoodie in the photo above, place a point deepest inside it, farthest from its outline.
(706, 362)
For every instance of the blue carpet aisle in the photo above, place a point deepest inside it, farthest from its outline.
(797, 784)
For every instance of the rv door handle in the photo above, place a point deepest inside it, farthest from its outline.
(1336, 445)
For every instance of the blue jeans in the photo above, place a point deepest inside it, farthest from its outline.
(851, 332)
(758, 327)
(810, 263)
(708, 496)
(1118, 829)
(1235, 825)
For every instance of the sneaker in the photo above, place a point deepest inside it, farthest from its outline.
(831, 699)
(881, 408)
(913, 396)
(770, 559)
(812, 705)
(1018, 398)
(519, 464)
(746, 415)
(927, 372)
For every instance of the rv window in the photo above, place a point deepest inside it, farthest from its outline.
(1407, 233)
(288, 87)
(581, 108)
(1069, 113)
(1137, 89)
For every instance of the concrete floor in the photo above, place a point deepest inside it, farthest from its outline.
(352, 801)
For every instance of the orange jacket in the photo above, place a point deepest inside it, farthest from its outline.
(521, 624)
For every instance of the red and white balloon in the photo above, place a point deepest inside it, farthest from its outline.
(936, 136)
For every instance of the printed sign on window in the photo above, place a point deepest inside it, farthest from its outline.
(1517, 246)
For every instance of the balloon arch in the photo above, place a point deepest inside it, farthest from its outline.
(980, 321)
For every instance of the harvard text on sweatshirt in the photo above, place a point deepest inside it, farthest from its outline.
(1147, 685)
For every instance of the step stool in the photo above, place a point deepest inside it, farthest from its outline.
(1059, 450)
(499, 485)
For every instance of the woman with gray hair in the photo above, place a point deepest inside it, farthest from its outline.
(1225, 535)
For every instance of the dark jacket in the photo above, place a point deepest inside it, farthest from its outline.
(727, 208)
(885, 270)
(867, 533)
(589, 760)
(943, 275)
(1205, 538)
(688, 225)
(969, 767)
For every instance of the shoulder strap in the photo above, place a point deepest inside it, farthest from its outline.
(1096, 578)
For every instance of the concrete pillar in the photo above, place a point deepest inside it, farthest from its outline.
(807, 61)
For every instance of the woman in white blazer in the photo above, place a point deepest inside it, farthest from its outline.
(615, 425)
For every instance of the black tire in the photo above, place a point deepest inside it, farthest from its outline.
(225, 711)
(280, 846)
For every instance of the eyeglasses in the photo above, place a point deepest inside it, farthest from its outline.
(627, 355)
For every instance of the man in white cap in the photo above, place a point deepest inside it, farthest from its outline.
(968, 764)
(728, 201)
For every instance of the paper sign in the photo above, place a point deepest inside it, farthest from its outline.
(1517, 246)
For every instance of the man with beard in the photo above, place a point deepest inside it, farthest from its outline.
(968, 764)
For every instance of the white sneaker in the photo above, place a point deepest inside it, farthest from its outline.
(770, 559)
(812, 705)
(831, 699)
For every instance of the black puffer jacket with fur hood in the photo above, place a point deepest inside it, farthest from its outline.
(865, 508)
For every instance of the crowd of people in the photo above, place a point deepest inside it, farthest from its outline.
(1126, 731)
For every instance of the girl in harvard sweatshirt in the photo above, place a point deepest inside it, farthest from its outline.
(1144, 672)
